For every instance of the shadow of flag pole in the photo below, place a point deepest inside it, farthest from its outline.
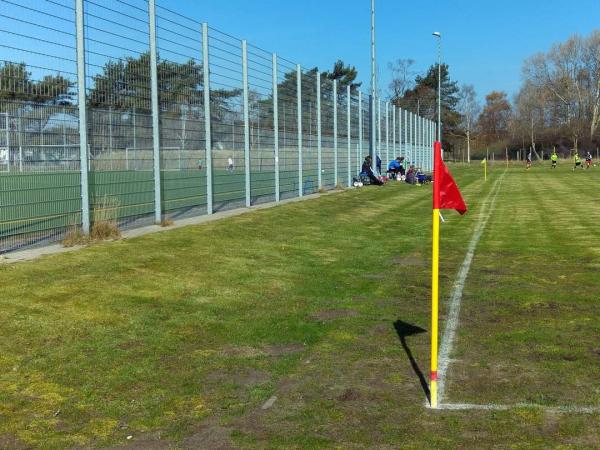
(446, 195)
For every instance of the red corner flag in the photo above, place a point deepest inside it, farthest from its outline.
(445, 191)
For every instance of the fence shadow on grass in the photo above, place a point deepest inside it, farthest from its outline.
(405, 330)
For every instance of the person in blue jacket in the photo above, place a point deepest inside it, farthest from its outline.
(396, 166)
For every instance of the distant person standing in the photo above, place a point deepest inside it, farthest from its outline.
(528, 160)
(230, 167)
(588, 160)
(200, 164)
(554, 159)
(577, 161)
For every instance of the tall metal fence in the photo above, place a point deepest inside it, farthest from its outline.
(128, 106)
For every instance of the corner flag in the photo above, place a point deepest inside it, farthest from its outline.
(446, 195)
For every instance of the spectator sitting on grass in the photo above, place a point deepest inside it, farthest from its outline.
(367, 171)
(411, 175)
(402, 170)
(395, 167)
(422, 178)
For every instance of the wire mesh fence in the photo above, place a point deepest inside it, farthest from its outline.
(131, 109)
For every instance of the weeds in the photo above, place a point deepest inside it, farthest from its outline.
(74, 236)
(105, 214)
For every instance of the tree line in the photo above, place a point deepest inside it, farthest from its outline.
(557, 106)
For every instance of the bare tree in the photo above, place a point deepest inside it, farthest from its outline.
(403, 77)
(470, 110)
(591, 61)
(567, 78)
(529, 117)
(495, 117)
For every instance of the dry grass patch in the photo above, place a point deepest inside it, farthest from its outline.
(74, 236)
(105, 214)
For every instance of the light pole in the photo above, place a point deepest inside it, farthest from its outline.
(372, 143)
(438, 35)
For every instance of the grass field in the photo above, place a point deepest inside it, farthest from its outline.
(307, 326)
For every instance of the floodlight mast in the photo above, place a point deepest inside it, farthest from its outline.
(372, 140)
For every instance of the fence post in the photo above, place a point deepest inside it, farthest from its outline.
(20, 138)
(276, 125)
(348, 135)
(410, 136)
(360, 127)
(394, 131)
(246, 122)
(155, 112)
(207, 121)
(387, 132)
(335, 135)
(135, 164)
(416, 137)
(421, 146)
(425, 146)
(400, 152)
(420, 139)
(299, 120)
(7, 137)
(319, 135)
(433, 137)
(407, 123)
(406, 136)
(424, 142)
(429, 146)
(378, 147)
(110, 138)
(415, 140)
(83, 147)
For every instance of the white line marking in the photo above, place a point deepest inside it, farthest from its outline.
(495, 407)
(452, 324)
(459, 284)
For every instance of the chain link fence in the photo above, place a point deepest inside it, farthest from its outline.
(131, 106)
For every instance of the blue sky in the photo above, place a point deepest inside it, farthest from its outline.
(484, 42)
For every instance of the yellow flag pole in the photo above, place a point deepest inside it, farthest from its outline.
(485, 170)
(435, 263)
